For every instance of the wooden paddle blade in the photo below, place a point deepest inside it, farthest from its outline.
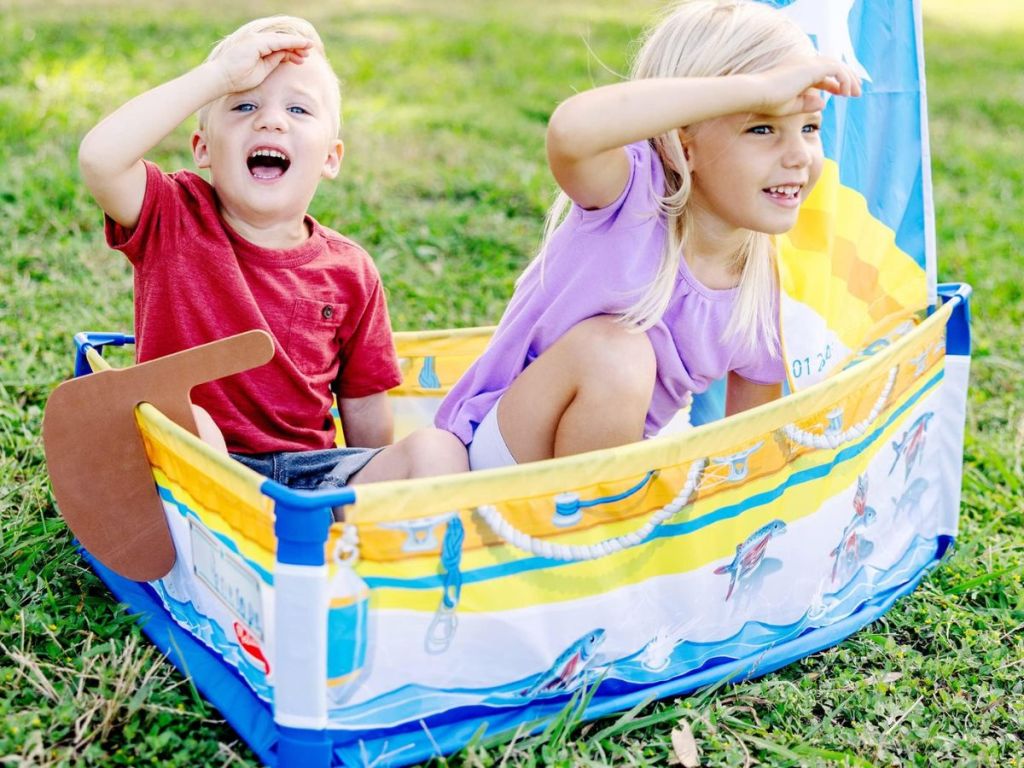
(101, 477)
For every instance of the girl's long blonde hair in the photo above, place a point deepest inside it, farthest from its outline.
(707, 38)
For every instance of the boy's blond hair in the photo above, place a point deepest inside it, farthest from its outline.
(288, 25)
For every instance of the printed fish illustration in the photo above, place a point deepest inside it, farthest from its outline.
(250, 644)
(912, 443)
(852, 542)
(750, 554)
(911, 497)
(568, 668)
(860, 500)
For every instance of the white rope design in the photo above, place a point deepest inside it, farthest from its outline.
(835, 439)
(574, 552)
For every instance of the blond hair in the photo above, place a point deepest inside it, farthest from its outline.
(708, 38)
(288, 25)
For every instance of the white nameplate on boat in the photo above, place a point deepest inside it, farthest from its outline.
(228, 577)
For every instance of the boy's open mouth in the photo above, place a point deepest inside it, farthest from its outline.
(267, 163)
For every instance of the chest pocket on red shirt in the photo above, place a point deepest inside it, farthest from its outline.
(313, 342)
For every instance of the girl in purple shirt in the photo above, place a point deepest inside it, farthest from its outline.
(657, 274)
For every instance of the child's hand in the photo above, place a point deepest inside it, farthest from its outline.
(247, 63)
(794, 87)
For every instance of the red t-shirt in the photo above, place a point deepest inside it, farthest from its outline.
(196, 280)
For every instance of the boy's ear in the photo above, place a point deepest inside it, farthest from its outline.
(200, 149)
(335, 151)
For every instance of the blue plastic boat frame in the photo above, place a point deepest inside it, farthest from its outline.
(301, 526)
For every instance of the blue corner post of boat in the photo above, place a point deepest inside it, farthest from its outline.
(958, 327)
(97, 340)
(301, 747)
(302, 521)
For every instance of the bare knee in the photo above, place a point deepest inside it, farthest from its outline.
(615, 359)
(424, 453)
(436, 452)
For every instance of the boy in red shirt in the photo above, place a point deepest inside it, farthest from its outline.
(240, 252)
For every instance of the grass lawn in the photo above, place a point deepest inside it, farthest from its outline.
(445, 183)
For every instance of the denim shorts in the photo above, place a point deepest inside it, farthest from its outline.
(309, 470)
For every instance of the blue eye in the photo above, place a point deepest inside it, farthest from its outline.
(298, 110)
(760, 130)
(811, 128)
(244, 107)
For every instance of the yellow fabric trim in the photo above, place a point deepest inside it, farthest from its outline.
(451, 353)
(225, 494)
(248, 547)
(856, 388)
(715, 541)
(600, 523)
(96, 361)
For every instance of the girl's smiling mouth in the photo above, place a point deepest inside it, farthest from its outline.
(784, 194)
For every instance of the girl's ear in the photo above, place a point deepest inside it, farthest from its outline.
(687, 142)
(200, 149)
(332, 164)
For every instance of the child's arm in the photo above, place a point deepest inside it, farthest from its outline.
(742, 394)
(111, 154)
(587, 131)
(367, 421)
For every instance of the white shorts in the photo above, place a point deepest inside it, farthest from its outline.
(488, 449)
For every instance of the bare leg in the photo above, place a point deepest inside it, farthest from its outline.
(209, 432)
(424, 453)
(591, 389)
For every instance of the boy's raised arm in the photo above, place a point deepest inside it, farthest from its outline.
(110, 155)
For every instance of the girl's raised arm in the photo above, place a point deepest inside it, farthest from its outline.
(587, 132)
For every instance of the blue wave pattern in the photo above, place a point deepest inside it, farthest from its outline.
(413, 702)
(210, 633)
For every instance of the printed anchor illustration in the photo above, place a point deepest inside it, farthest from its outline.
(750, 556)
(853, 547)
(911, 446)
(570, 669)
